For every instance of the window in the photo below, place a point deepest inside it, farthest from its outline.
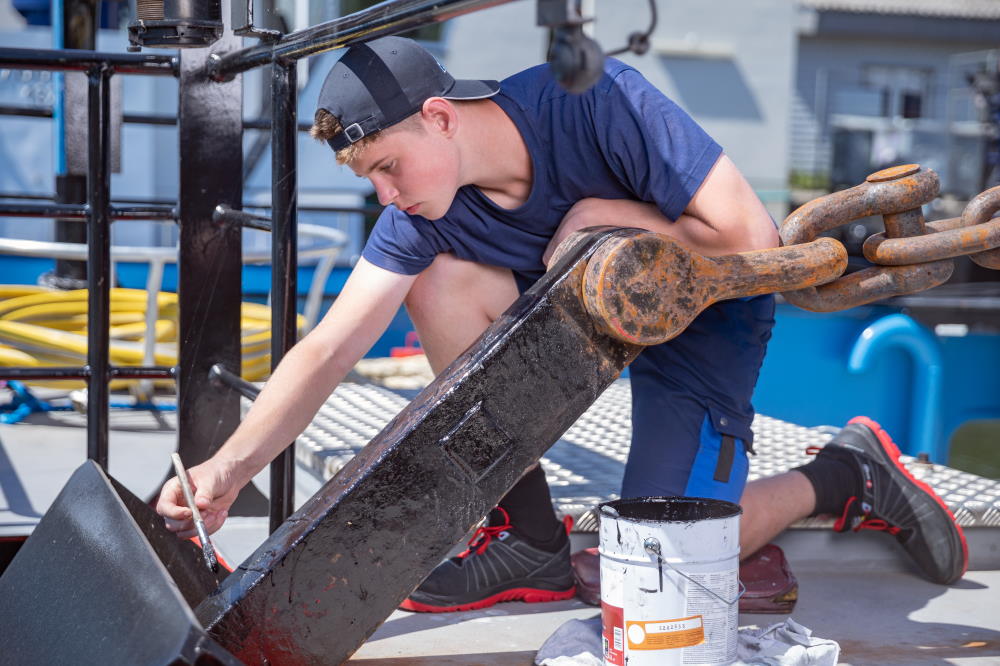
(902, 91)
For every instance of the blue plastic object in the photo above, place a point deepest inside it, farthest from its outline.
(924, 391)
(23, 403)
(919, 386)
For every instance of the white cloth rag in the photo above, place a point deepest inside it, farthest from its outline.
(788, 643)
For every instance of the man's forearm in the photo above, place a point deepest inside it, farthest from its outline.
(292, 396)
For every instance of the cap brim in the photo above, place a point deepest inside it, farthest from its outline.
(472, 89)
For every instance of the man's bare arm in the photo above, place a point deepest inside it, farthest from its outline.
(292, 396)
(723, 217)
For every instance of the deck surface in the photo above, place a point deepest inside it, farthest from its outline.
(856, 589)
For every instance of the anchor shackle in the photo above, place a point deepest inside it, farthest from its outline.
(896, 194)
(645, 288)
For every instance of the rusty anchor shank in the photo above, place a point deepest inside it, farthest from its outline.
(645, 288)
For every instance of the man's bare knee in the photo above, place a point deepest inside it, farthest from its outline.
(431, 285)
(449, 280)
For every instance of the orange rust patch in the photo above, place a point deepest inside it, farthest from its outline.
(893, 173)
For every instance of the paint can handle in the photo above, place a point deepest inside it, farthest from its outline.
(652, 546)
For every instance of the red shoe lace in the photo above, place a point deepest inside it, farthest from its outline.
(568, 523)
(866, 523)
(482, 537)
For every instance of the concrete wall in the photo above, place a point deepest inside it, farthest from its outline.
(728, 63)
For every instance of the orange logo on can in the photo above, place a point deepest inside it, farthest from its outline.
(666, 634)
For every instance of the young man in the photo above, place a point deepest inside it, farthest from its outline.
(481, 181)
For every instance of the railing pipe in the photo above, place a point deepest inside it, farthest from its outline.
(284, 259)
(77, 372)
(383, 19)
(136, 118)
(155, 203)
(26, 111)
(223, 377)
(334, 239)
(61, 210)
(223, 214)
(144, 372)
(54, 372)
(61, 60)
(98, 262)
(76, 212)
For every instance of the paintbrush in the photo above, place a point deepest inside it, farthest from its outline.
(199, 525)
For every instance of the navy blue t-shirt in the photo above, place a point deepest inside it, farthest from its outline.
(622, 139)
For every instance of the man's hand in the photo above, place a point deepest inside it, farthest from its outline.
(297, 388)
(215, 489)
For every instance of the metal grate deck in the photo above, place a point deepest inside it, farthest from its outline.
(585, 466)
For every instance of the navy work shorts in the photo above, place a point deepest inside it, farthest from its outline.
(691, 410)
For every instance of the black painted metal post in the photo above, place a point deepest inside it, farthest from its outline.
(211, 157)
(98, 262)
(284, 258)
(80, 20)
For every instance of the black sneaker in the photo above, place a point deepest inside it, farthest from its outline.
(499, 565)
(893, 501)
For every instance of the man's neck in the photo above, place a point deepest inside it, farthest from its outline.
(496, 158)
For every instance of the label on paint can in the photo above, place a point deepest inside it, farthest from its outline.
(613, 638)
(721, 620)
(665, 635)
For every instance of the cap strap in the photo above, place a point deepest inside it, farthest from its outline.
(382, 85)
(353, 132)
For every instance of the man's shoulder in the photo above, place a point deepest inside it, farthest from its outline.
(532, 82)
(539, 83)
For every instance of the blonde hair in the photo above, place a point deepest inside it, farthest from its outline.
(326, 126)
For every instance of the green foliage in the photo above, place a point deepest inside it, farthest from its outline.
(809, 180)
(974, 448)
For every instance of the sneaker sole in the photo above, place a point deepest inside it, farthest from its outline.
(526, 594)
(891, 454)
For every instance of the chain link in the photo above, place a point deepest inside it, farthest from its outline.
(645, 288)
(974, 234)
(911, 255)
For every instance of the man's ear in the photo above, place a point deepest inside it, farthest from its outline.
(440, 116)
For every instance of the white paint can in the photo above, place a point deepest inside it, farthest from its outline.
(669, 581)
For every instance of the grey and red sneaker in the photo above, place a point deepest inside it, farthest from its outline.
(499, 565)
(890, 499)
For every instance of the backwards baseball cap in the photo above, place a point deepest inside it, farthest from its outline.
(379, 83)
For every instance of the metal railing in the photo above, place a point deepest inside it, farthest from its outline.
(98, 212)
(386, 18)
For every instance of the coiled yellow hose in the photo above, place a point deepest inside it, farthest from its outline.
(42, 327)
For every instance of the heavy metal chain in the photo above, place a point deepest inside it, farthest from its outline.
(646, 288)
(911, 255)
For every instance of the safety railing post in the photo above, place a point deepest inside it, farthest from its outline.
(98, 262)
(209, 254)
(284, 258)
